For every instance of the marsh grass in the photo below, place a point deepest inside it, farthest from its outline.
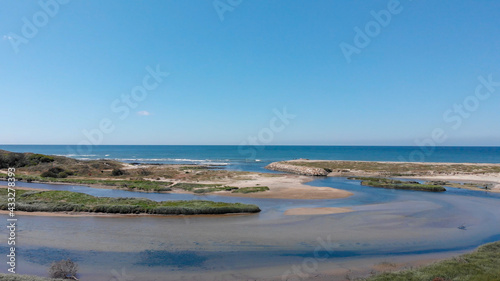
(144, 185)
(399, 169)
(481, 265)
(397, 184)
(193, 186)
(251, 189)
(67, 201)
(19, 277)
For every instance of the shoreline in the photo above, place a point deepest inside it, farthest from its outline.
(107, 215)
(281, 186)
(383, 169)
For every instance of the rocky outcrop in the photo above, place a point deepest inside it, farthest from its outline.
(301, 170)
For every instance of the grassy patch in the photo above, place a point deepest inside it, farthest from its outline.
(143, 185)
(19, 277)
(396, 184)
(481, 265)
(193, 186)
(207, 188)
(251, 189)
(67, 201)
(399, 169)
(213, 189)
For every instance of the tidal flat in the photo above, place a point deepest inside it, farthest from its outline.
(395, 226)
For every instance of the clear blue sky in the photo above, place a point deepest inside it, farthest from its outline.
(226, 77)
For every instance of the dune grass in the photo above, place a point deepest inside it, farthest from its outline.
(67, 201)
(397, 184)
(481, 265)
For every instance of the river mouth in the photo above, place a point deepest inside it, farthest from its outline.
(384, 224)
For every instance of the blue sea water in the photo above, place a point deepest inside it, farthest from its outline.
(254, 158)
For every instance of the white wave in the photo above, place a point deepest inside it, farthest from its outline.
(184, 160)
(79, 155)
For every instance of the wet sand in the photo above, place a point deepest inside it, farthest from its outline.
(316, 211)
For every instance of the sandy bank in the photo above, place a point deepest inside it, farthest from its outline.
(284, 187)
(316, 211)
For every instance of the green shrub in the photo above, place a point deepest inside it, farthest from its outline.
(56, 172)
(36, 159)
(65, 269)
(117, 172)
(12, 160)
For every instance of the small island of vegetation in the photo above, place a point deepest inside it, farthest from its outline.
(397, 184)
(67, 201)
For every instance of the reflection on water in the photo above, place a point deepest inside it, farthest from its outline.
(385, 223)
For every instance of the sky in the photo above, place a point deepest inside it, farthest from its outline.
(233, 72)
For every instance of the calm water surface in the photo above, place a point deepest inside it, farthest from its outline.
(385, 223)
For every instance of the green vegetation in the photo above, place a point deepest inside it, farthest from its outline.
(398, 169)
(43, 168)
(193, 186)
(117, 172)
(17, 160)
(481, 265)
(19, 277)
(67, 201)
(212, 189)
(56, 172)
(36, 159)
(206, 188)
(251, 189)
(65, 269)
(396, 184)
(144, 185)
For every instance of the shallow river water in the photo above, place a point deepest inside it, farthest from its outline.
(386, 225)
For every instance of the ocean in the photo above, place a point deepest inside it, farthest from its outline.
(254, 158)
